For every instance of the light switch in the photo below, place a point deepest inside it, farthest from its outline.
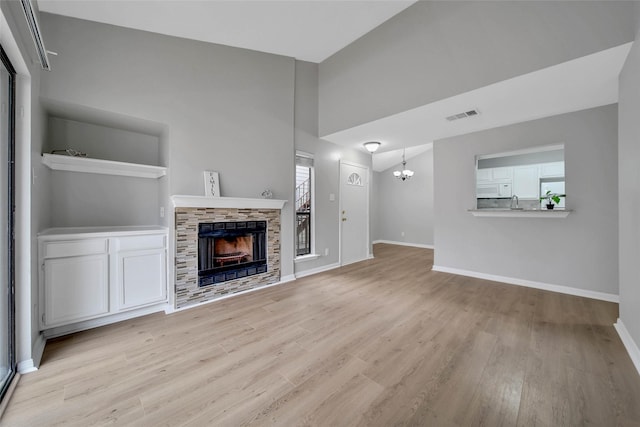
(332, 197)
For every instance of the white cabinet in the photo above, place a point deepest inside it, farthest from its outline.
(141, 271)
(552, 170)
(502, 174)
(96, 273)
(77, 289)
(494, 175)
(526, 182)
(488, 191)
(484, 174)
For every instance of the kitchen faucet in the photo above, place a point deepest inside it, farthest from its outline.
(514, 197)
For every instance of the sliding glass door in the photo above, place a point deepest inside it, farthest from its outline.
(7, 211)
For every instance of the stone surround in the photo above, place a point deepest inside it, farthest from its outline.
(187, 220)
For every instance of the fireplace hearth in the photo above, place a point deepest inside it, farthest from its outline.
(231, 250)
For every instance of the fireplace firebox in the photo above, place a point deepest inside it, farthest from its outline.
(231, 250)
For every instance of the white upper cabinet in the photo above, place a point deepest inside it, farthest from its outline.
(494, 175)
(552, 170)
(526, 182)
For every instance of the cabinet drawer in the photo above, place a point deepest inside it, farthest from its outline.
(136, 243)
(61, 249)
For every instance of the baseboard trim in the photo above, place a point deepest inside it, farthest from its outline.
(531, 284)
(102, 321)
(287, 278)
(283, 280)
(629, 343)
(317, 270)
(26, 366)
(414, 245)
(38, 350)
(31, 365)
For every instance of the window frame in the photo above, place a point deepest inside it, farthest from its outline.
(312, 212)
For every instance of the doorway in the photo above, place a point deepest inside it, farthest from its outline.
(354, 213)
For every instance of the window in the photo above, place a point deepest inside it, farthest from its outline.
(304, 204)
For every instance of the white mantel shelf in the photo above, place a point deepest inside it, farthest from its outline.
(225, 202)
(99, 166)
(522, 213)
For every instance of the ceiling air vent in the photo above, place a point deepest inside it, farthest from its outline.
(463, 115)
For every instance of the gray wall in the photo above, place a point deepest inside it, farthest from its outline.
(327, 158)
(78, 199)
(629, 190)
(103, 142)
(580, 251)
(405, 206)
(434, 50)
(226, 109)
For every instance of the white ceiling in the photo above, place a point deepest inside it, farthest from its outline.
(586, 82)
(306, 30)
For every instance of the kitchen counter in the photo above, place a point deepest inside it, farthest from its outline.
(520, 213)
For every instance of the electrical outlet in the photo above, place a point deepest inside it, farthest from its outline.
(326, 251)
(161, 211)
(402, 233)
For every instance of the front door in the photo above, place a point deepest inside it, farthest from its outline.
(354, 213)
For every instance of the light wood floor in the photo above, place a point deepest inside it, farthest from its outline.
(378, 343)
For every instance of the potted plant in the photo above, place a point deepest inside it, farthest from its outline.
(551, 198)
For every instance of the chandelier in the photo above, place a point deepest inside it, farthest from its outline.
(405, 173)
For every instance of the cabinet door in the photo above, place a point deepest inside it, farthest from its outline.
(502, 174)
(142, 277)
(504, 190)
(75, 289)
(526, 182)
(484, 174)
(549, 170)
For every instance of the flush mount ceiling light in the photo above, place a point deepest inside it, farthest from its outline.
(405, 173)
(371, 146)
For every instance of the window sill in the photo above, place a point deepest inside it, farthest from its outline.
(304, 258)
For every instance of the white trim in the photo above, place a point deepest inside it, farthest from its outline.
(26, 367)
(303, 258)
(629, 343)
(517, 213)
(283, 280)
(180, 201)
(531, 284)
(414, 245)
(106, 320)
(317, 270)
(23, 226)
(38, 350)
(31, 365)
(59, 162)
(552, 147)
(65, 233)
(368, 257)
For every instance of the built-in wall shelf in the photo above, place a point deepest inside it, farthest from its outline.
(521, 213)
(104, 167)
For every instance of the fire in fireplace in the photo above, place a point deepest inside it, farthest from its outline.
(231, 250)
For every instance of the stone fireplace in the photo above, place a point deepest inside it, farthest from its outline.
(224, 246)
